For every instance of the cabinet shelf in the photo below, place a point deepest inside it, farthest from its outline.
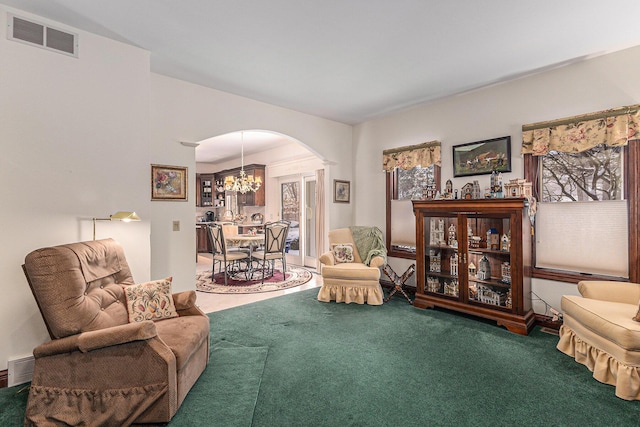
(489, 251)
(493, 282)
(443, 247)
(443, 275)
(490, 282)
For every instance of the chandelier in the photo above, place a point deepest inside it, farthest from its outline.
(242, 183)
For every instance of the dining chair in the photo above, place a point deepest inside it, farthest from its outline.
(275, 236)
(231, 229)
(231, 260)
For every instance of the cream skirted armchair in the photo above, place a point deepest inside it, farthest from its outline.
(351, 269)
(120, 353)
(601, 330)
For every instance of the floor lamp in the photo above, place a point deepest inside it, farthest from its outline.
(118, 216)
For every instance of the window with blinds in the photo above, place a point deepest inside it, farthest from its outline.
(582, 223)
(583, 237)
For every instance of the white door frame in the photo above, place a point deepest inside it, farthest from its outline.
(302, 258)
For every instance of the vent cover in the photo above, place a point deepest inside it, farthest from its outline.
(20, 370)
(37, 34)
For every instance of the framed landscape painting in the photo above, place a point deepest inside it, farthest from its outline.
(169, 183)
(482, 157)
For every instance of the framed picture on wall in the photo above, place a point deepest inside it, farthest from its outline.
(482, 157)
(341, 191)
(169, 183)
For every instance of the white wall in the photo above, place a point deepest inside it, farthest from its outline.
(75, 145)
(596, 84)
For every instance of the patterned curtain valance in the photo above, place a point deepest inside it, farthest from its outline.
(424, 155)
(613, 127)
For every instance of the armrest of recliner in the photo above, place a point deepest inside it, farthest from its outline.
(92, 340)
(327, 258)
(185, 303)
(625, 292)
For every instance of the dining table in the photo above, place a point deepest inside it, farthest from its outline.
(250, 241)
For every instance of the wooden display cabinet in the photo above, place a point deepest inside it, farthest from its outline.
(204, 190)
(202, 239)
(492, 235)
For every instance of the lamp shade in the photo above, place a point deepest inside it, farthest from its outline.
(125, 216)
(118, 216)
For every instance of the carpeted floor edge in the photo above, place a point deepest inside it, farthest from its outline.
(227, 392)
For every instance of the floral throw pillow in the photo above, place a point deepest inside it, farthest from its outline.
(150, 301)
(342, 252)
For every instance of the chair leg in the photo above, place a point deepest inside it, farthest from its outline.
(248, 271)
(226, 273)
(264, 263)
(213, 271)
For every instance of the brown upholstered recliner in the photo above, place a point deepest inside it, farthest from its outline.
(99, 369)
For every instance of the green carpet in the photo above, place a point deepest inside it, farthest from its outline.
(293, 361)
(13, 401)
(226, 393)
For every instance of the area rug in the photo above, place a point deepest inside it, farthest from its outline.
(236, 284)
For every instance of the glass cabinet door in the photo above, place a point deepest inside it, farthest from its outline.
(442, 259)
(488, 260)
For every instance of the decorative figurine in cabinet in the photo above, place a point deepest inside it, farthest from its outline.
(435, 262)
(484, 269)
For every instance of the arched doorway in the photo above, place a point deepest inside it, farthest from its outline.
(289, 166)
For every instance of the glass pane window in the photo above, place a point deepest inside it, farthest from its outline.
(411, 182)
(593, 175)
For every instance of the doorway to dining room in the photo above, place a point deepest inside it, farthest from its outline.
(287, 161)
(298, 206)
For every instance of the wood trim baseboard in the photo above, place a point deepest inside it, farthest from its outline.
(4, 378)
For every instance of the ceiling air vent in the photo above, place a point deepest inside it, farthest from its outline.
(41, 35)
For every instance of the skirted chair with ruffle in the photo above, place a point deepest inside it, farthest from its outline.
(351, 269)
(601, 330)
(120, 352)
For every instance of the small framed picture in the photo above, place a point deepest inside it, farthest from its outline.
(482, 157)
(169, 183)
(341, 191)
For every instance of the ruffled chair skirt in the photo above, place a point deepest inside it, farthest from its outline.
(606, 368)
(348, 291)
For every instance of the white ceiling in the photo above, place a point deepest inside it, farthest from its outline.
(353, 60)
(229, 146)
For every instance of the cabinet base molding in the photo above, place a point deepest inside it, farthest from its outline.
(514, 323)
(548, 322)
(4, 378)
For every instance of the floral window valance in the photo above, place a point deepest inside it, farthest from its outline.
(613, 127)
(424, 155)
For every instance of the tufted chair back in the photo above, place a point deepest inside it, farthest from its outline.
(78, 286)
